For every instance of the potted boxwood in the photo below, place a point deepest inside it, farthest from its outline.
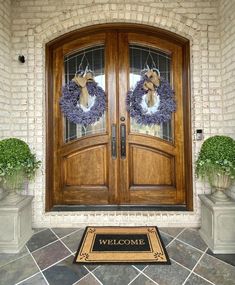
(17, 164)
(216, 164)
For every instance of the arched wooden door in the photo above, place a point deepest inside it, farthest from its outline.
(116, 161)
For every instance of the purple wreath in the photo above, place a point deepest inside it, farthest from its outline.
(69, 103)
(167, 103)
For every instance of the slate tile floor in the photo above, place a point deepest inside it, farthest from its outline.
(47, 260)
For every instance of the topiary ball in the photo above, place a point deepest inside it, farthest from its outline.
(217, 155)
(218, 148)
(14, 151)
(15, 155)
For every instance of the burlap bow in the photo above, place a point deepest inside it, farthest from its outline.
(150, 85)
(82, 81)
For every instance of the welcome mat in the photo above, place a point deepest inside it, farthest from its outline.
(100, 245)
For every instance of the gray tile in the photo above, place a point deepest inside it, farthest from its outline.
(50, 254)
(41, 239)
(228, 258)
(166, 239)
(72, 241)
(140, 266)
(192, 237)
(173, 274)
(91, 267)
(142, 280)
(18, 270)
(8, 257)
(88, 280)
(171, 231)
(35, 280)
(115, 274)
(61, 232)
(196, 280)
(216, 271)
(184, 254)
(65, 272)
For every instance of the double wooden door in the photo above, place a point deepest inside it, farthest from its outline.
(117, 161)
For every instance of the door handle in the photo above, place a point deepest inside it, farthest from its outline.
(113, 142)
(123, 140)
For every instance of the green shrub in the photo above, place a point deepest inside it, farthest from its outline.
(17, 163)
(217, 156)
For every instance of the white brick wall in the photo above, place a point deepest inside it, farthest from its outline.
(227, 32)
(34, 23)
(5, 64)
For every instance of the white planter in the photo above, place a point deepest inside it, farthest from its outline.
(221, 183)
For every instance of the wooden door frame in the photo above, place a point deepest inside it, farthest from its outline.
(156, 32)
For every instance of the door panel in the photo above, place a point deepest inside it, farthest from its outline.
(151, 167)
(117, 161)
(76, 172)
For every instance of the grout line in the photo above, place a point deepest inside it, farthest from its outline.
(20, 282)
(54, 241)
(203, 278)
(195, 266)
(34, 233)
(93, 269)
(38, 267)
(150, 278)
(77, 230)
(58, 238)
(139, 269)
(174, 238)
(62, 241)
(221, 259)
(134, 278)
(181, 264)
(96, 278)
(202, 251)
(14, 259)
(44, 269)
(81, 278)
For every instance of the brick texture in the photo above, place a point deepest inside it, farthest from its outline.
(5, 64)
(227, 35)
(227, 32)
(36, 22)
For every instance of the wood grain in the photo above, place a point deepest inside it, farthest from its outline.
(154, 172)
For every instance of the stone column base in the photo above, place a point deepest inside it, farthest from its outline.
(15, 223)
(218, 224)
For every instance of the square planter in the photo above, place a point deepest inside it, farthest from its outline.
(15, 223)
(218, 224)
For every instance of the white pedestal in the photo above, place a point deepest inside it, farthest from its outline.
(15, 223)
(218, 224)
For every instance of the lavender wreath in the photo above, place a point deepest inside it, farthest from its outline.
(69, 103)
(166, 106)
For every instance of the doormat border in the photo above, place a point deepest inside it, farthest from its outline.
(168, 262)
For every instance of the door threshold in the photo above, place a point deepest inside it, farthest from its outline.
(65, 208)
